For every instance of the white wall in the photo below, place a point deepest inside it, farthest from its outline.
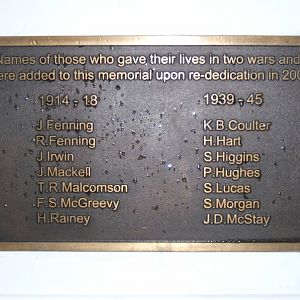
(58, 275)
(98, 17)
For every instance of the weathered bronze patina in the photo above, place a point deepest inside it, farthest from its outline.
(149, 143)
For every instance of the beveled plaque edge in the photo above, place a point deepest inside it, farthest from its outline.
(189, 40)
(149, 247)
(148, 40)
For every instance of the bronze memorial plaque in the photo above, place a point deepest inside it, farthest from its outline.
(150, 143)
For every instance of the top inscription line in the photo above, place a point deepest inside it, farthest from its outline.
(148, 40)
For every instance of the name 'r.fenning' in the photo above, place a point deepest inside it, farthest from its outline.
(60, 141)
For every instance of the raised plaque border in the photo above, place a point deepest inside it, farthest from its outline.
(150, 40)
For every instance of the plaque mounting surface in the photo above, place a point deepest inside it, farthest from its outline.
(149, 143)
